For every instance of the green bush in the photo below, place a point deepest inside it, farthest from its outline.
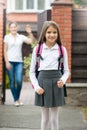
(81, 3)
(7, 83)
(27, 61)
(85, 112)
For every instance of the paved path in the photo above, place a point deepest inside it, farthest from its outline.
(28, 117)
(27, 95)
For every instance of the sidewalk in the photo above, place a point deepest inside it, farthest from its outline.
(28, 117)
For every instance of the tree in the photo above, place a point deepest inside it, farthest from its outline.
(82, 3)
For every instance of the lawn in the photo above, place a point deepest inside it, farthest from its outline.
(85, 112)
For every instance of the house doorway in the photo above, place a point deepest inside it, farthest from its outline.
(3, 82)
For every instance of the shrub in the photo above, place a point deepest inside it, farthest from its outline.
(7, 83)
(27, 61)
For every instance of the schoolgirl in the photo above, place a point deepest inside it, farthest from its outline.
(49, 93)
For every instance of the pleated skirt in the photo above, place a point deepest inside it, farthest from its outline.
(53, 96)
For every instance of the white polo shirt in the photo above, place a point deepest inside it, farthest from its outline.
(14, 52)
(49, 62)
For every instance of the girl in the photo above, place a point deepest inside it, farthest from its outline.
(49, 93)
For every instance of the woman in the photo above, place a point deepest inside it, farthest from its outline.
(49, 92)
(13, 59)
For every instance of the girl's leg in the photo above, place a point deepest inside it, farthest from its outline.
(45, 118)
(18, 78)
(54, 118)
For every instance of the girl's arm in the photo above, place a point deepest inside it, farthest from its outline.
(66, 67)
(32, 75)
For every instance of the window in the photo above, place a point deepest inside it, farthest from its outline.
(18, 4)
(30, 4)
(41, 4)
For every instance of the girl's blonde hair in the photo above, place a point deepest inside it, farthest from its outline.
(46, 25)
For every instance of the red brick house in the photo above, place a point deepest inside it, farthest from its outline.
(73, 31)
(18, 11)
(26, 11)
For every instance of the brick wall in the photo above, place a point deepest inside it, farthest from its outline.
(2, 6)
(22, 17)
(1, 36)
(62, 14)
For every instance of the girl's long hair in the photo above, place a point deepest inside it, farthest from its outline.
(46, 25)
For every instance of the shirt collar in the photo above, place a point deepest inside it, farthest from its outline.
(54, 47)
(12, 35)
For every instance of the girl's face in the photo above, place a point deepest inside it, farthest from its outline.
(51, 35)
(13, 28)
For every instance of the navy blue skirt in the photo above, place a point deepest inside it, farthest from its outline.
(53, 96)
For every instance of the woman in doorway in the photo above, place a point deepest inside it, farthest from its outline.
(13, 59)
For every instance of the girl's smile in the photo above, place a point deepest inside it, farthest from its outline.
(51, 36)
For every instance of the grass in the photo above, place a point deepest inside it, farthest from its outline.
(85, 112)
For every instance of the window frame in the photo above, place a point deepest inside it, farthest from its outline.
(11, 7)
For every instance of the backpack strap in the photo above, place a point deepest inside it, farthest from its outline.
(39, 49)
(38, 54)
(61, 51)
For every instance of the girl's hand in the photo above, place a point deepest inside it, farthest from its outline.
(8, 66)
(60, 83)
(40, 91)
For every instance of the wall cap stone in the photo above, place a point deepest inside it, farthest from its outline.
(80, 9)
(62, 3)
(76, 85)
